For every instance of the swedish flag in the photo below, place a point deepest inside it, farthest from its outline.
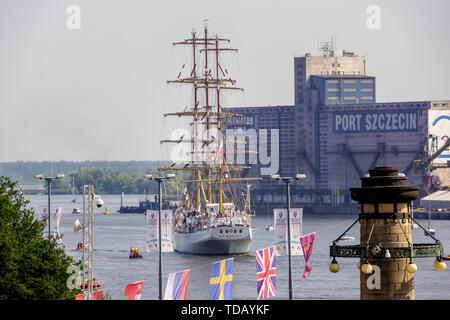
(221, 282)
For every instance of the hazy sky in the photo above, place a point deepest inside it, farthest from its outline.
(98, 93)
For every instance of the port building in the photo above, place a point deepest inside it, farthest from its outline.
(336, 131)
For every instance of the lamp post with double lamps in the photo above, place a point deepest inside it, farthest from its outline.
(49, 191)
(288, 180)
(159, 180)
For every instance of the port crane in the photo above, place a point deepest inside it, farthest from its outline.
(425, 165)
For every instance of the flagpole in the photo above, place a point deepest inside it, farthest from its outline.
(159, 240)
(159, 180)
(288, 203)
(288, 180)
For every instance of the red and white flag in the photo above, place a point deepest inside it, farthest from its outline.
(96, 295)
(133, 291)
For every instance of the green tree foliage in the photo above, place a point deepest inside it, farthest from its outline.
(31, 267)
(114, 182)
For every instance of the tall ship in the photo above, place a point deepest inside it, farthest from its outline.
(214, 214)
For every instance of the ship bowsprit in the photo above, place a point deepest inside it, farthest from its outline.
(218, 240)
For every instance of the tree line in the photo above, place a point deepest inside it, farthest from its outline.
(115, 182)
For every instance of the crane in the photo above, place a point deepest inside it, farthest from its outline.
(425, 165)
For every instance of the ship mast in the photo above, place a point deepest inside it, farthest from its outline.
(202, 120)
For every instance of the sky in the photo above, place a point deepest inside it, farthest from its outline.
(99, 92)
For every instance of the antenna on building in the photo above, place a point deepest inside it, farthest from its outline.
(327, 47)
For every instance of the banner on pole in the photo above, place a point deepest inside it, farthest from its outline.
(280, 231)
(55, 218)
(166, 231)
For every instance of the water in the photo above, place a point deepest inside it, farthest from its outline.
(115, 234)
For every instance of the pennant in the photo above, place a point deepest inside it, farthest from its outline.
(177, 285)
(133, 291)
(306, 272)
(221, 281)
(307, 243)
(266, 273)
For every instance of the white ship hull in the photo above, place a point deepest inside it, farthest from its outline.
(218, 240)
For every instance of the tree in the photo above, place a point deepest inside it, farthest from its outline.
(31, 267)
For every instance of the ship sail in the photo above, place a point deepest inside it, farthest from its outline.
(213, 192)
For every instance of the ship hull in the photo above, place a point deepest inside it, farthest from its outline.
(219, 240)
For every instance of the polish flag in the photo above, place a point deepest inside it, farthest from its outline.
(133, 291)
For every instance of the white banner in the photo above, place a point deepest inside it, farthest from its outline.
(166, 231)
(55, 218)
(280, 231)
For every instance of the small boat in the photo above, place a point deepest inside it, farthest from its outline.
(106, 211)
(269, 227)
(135, 253)
(415, 226)
(80, 246)
(347, 236)
(76, 211)
(430, 231)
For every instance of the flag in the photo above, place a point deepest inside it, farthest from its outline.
(221, 281)
(306, 272)
(177, 285)
(133, 291)
(266, 273)
(97, 295)
(307, 245)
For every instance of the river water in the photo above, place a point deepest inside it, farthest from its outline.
(115, 234)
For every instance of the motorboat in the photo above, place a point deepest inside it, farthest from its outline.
(347, 236)
(430, 231)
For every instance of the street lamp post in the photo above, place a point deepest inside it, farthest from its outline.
(159, 180)
(288, 180)
(49, 191)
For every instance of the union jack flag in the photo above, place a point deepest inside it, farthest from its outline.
(266, 273)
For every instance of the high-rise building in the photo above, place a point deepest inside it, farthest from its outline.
(336, 131)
